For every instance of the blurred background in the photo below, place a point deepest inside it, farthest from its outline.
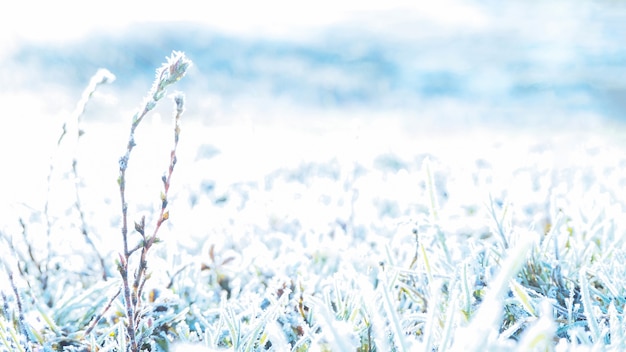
(417, 66)
(461, 62)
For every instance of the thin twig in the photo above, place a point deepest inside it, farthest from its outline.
(72, 128)
(168, 74)
(20, 310)
(95, 321)
(164, 214)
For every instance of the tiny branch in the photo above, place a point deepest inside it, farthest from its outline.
(169, 73)
(95, 321)
(20, 310)
(71, 129)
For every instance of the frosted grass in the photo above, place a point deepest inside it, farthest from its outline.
(335, 235)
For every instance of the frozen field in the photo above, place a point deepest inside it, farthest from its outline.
(423, 180)
(309, 220)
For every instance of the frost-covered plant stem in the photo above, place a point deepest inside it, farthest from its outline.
(71, 129)
(20, 311)
(168, 74)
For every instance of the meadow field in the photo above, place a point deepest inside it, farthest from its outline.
(410, 185)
